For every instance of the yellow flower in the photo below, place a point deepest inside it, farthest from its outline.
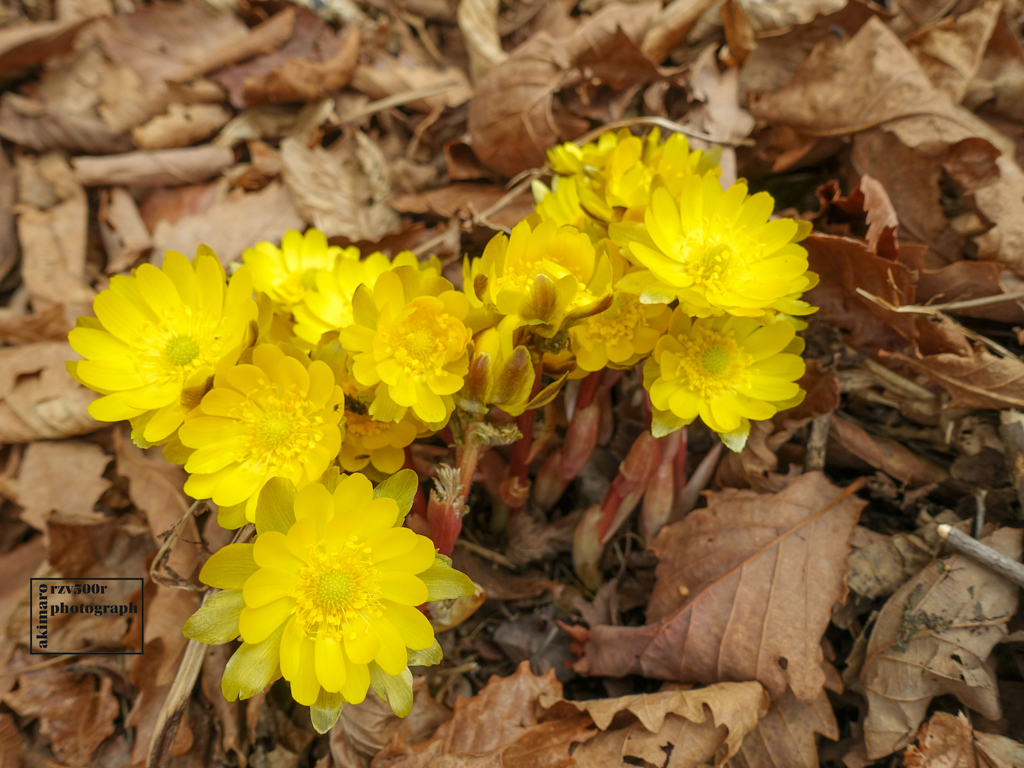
(621, 335)
(727, 370)
(380, 443)
(326, 596)
(285, 274)
(547, 278)
(717, 252)
(159, 336)
(410, 342)
(275, 417)
(619, 172)
(329, 306)
(497, 379)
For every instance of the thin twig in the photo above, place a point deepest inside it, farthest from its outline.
(661, 122)
(487, 554)
(982, 553)
(935, 309)
(396, 100)
(998, 348)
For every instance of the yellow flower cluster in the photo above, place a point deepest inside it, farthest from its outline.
(268, 380)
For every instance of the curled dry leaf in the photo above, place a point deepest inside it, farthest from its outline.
(514, 116)
(845, 264)
(53, 242)
(950, 51)
(949, 741)
(932, 638)
(676, 721)
(503, 725)
(62, 476)
(974, 376)
(341, 190)
(760, 574)
(124, 233)
(784, 737)
(478, 21)
(75, 715)
(230, 225)
(183, 124)
(8, 238)
(155, 487)
(886, 454)
(38, 400)
(41, 125)
(159, 168)
(883, 566)
(29, 44)
(465, 201)
(370, 725)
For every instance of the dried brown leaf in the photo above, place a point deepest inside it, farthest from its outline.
(464, 201)
(16, 568)
(53, 242)
(158, 168)
(124, 233)
(886, 454)
(370, 725)
(478, 21)
(161, 40)
(155, 487)
(675, 717)
(503, 726)
(65, 477)
(871, 80)
(29, 44)
(43, 126)
(74, 715)
(38, 400)
(964, 280)
(760, 574)
(341, 190)
(183, 124)
(784, 737)
(230, 225)
(950, 51)
(932, 638)
(845, 264)
(8, 237)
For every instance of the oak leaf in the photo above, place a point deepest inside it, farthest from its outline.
(949, 741)
(760, 574)
(932, 638)
(669, 721)
(784, 737)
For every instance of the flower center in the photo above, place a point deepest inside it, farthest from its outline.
(181, 350)
(361, 425)
(712, 363)
(274, 430)
(280, 428)
(618, 323)
(421, 343)
(710, 261)
(716, 360)
(335, 587)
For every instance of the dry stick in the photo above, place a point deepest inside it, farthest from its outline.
(661, 122)
(178, 696)
(990, 558)
(263, 38)
(1011, 430)
(494, 557)
(816, 443)
(996, 347)
(935, 309)
(396, 100)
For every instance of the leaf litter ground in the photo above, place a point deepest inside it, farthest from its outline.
(802, 612)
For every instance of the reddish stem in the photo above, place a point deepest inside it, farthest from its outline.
(519, 468)
(445, 513)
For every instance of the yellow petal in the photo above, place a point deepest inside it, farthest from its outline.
(267, 585)
(330, 663)
(400, 587)
(256, 624)
(391, 543)
(419, 559)
(361, 641)
(229, 567)
(391, 656)
(271, 551)
(305, 686)
(413, 626)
